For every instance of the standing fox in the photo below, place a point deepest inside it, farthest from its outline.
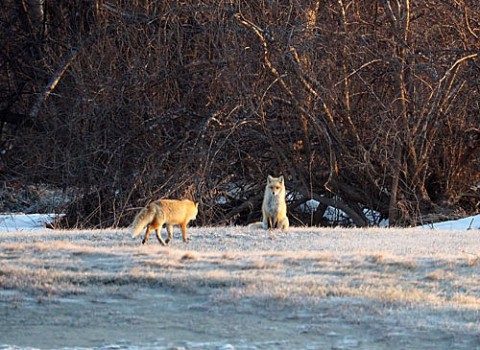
(165, 211)
(274, 207)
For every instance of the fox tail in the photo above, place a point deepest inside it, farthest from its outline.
(255, 225)
(143, 218)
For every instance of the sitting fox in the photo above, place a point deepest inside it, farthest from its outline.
(165, 211)
(274, 207)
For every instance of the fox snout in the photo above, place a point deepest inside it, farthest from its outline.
(275, 190)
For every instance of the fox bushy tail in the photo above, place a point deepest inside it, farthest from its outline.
(143, 218)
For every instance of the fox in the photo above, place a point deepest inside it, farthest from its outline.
(274, 206)
(165, 211)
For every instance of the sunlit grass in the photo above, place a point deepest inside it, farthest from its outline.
(299, 266)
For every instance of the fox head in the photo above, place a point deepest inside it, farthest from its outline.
(276, 185)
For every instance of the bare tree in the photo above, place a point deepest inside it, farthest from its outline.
(363, 106)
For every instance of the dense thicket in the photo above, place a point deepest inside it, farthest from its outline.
(366, 105)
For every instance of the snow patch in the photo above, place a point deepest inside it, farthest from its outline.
(468, 223)
(27, 222)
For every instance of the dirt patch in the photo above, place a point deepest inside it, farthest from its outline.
(233, 288)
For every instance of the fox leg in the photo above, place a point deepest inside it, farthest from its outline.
(184, 232)
(265, 222)
(284, 224)
(147, 234)
(271, 223)
(170, 233)
(159, 236)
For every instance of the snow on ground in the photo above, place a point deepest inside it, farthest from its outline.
(468, 223)
(238, 288)
(29, 222)
(26, 222)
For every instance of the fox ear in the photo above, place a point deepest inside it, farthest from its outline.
(281, 179)
(269, 178)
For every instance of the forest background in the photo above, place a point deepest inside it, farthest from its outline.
(370, 107)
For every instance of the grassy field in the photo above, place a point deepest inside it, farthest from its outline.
(233, 287)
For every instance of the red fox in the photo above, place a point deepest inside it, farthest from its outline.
(165, 211)
(274, 207)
